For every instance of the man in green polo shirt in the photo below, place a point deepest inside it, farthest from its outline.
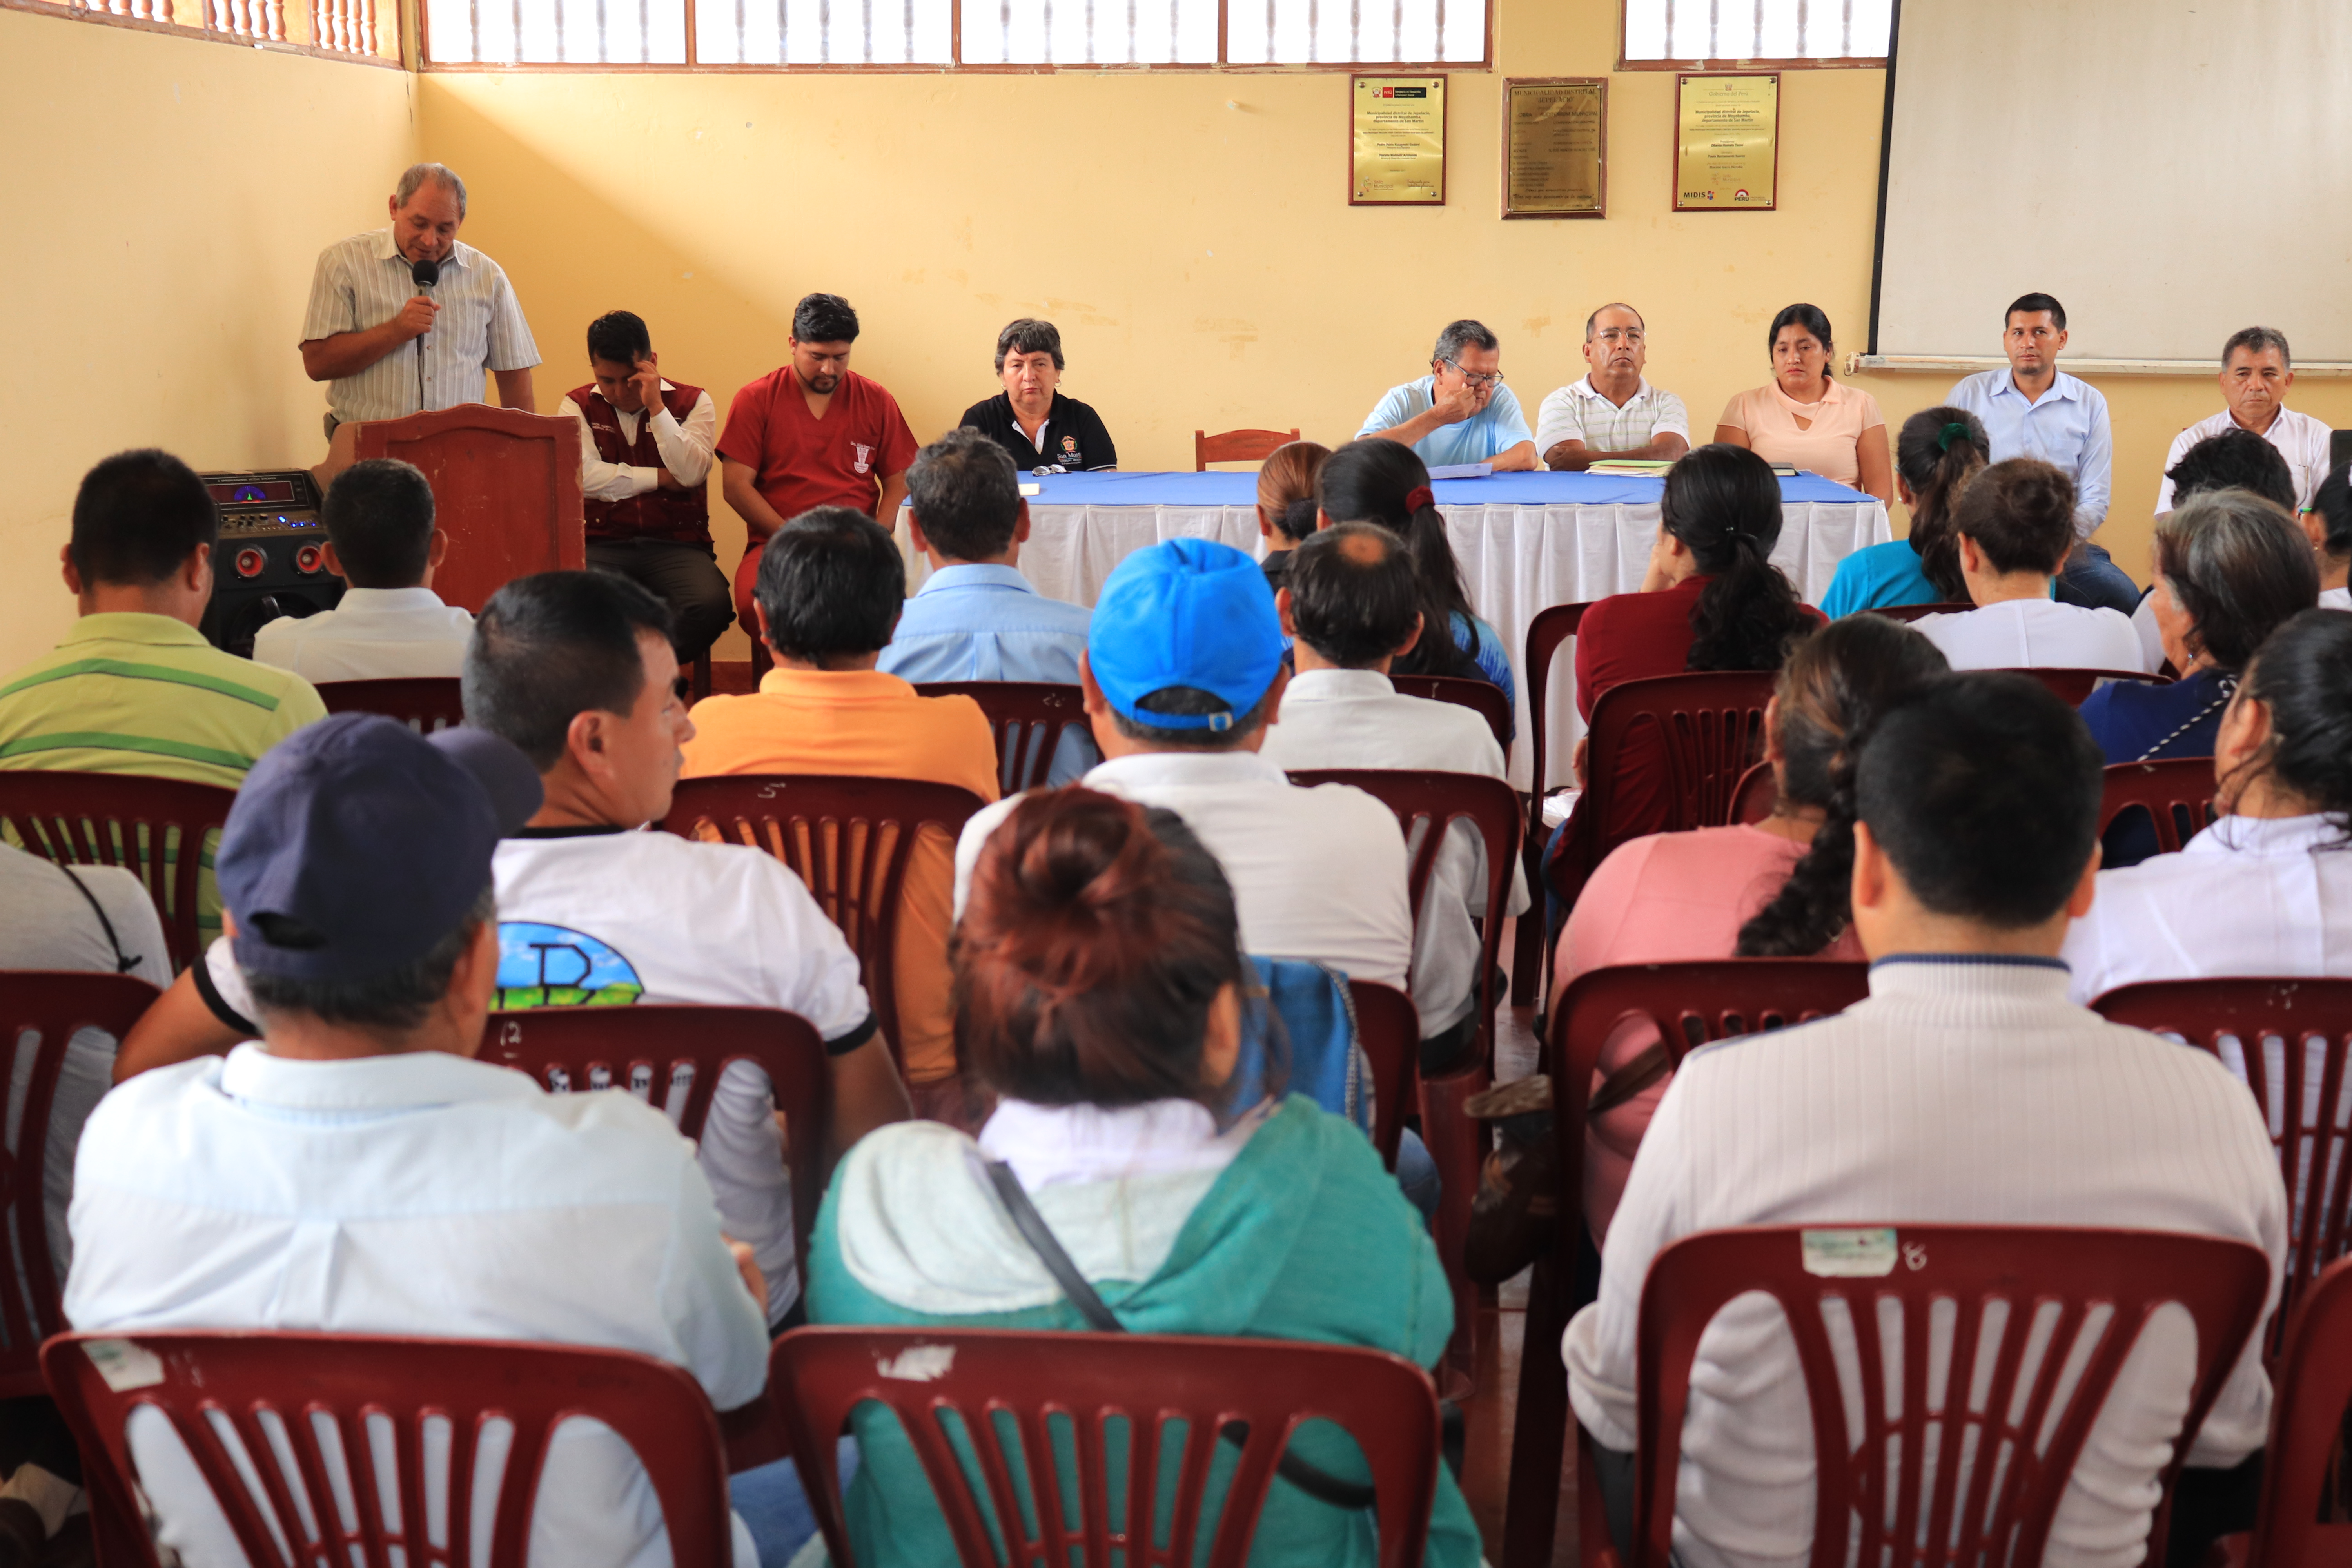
(134, 688)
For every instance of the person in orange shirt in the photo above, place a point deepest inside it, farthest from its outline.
(830, 588)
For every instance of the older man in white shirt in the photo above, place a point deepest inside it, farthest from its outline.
(1611, 412)
(2257, 369)
(389, 625)
(1965, 1089)
(358, 1171)
(1353, 606)
(1183, 674)
(375, 294)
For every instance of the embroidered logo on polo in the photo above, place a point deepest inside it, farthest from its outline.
(554, 966)
(865, 456)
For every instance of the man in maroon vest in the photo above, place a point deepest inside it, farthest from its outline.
(644, 482)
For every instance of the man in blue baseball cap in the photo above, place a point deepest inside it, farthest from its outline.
(357, 1171)
(1183, 673)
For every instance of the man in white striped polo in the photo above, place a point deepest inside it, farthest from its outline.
(388, 345)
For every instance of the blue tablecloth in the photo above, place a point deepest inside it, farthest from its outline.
(1496, 489)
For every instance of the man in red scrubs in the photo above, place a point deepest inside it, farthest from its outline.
(813, 433)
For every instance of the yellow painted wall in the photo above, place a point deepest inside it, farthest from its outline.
(168, 197)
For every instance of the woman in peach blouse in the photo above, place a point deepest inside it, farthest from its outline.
(1804, 418)
(1773, 890)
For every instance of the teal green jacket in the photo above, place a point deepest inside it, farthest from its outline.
(1302, 1237)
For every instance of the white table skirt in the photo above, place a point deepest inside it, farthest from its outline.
(1515, 560)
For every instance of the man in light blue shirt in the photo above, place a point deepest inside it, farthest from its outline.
(976, 617)
(2033, 409)
(1460, 412)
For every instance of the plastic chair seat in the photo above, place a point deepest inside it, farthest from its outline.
(1551, 629)
(2072, 687)
(1482, 697)
(1027, 718)
(162, 831)
(2177, 794)
(2294, 1525)
(424, 703)
(1237, 445)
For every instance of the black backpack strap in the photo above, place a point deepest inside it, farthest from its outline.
(124, 963)
(1313, 1479)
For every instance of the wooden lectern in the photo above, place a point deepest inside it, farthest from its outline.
(506, 489)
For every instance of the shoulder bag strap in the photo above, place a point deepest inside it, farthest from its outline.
(1313, 1479)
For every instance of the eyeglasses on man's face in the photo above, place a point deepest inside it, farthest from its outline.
(1480, 383)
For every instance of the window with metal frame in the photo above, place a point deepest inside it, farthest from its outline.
(1668, 33)
(340, 29)
(940, 34)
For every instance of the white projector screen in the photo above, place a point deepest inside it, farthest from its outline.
(2171, 170)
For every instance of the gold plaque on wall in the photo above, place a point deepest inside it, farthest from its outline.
(1727, 141)
(1555, 147)
(1396, 141)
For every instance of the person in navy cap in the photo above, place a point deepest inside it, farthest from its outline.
(357, 1171)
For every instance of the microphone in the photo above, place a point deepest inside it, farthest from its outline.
(424, 274)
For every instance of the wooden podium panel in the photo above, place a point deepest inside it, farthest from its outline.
(506, 489)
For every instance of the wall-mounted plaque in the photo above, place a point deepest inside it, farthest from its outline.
(1727, 141)
(1555, 147)
(1396, 141)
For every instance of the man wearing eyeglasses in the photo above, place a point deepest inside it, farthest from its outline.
(1612, 413)
(1461, 412)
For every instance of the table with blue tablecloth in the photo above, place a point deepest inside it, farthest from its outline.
(1524, 541)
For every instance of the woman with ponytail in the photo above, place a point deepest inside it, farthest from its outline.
(1775, 888)
(1939, 450)
(1712, 599)
(1385, 482)
(1099, 989)
(2267, 890)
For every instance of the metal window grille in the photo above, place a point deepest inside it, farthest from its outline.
(1697, 30)
(556, 32)
(1352, 32)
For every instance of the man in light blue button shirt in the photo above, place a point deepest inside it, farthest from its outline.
(2033, 409)
(1460, 412)
(976, 617)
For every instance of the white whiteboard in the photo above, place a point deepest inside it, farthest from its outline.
(2171, 170)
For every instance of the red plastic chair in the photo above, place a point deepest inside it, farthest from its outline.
(2239, 1020)
(425, 703)
(1237, 445)
(1753, 797)
(848, 838)
(1551, 629)
(1711, 725)
(1912, 1511)
(52, 1004)
(1689, 1005)
(2176, 794)
(1482, 697)
(2072, 687)
(2311, 1387)
(1906, 614)
(1388, 1030)
(142, 824)
(351, 1382)
(1428, 805)
(1020, 1395)
(1027, 718)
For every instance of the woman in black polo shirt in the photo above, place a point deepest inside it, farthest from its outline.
(1044, 431)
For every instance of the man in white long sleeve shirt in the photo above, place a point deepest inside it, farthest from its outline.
(1965, 1089)
(646, 446)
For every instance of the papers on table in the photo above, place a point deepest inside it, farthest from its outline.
(1461, 471)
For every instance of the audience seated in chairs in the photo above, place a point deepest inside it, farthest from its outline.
(2267, 890)
(389, 625)
(976, 617)
(2328, 526)
(2016, 524)
(831, 587)
(1099, 985)
(1711, 599)
(1353, 606)
(1966, 1089)
(1285, 502)
(1183, 677)
(1381, 481)
(2233, 460)
(1938, 453)
(577, 670)
(1773, 890)
(357, 1170)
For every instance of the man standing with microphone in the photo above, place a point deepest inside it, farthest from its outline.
(376, 294)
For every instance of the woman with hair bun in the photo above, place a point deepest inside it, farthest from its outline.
(1099, 989)
(2267, 890)
(1774, 888)
(1285, 502)
(1938, 452)
(2328, 524)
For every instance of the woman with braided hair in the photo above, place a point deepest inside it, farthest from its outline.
(1099, 989)
(1939, 450)
(1775, 888)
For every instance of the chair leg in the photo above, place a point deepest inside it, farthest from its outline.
(1539, 1432)
(1458, 1145)
(702, 687)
